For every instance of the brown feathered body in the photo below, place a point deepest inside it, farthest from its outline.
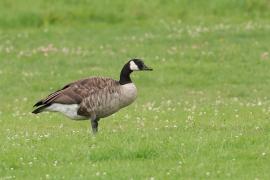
(94, 97)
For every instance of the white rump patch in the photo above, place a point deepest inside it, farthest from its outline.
(133, 66)
(69, 110)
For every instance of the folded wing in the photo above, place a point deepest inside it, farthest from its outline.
(76, 92)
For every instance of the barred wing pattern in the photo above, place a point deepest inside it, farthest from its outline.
(90, 94)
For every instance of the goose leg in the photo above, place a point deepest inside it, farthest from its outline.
(94, 124)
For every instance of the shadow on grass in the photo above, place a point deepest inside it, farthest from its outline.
(117, 154)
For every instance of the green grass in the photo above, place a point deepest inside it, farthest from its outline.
(203, 113)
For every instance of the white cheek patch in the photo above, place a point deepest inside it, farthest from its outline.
(133, 66)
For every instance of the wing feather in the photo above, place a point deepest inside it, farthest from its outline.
(75, 92)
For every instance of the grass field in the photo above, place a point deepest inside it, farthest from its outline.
(203, 113)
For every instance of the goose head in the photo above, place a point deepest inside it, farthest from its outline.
(129, 67)
(138, 65)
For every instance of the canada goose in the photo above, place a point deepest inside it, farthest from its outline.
(95, 97)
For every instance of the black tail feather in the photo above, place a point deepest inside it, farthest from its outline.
(39, 103)
(39, 109)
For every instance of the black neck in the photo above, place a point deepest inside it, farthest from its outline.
(125, 75)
